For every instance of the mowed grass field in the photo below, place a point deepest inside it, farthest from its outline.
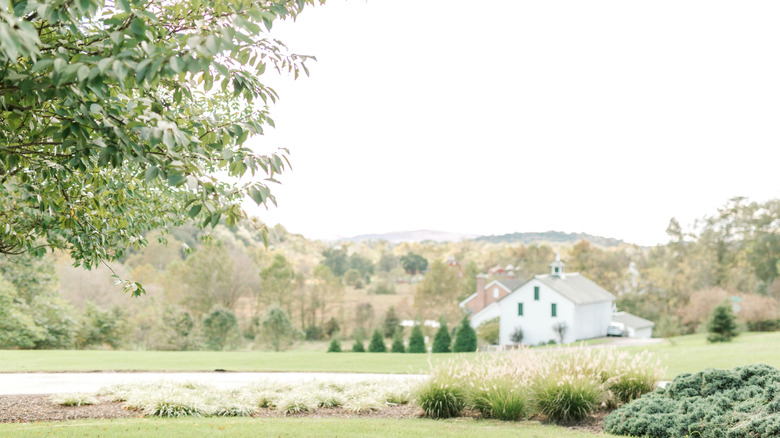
(681, 354)
(292, 427)
(291, 361)
(688, 354)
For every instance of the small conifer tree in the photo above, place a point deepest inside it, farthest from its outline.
(722, 325)
(358, 346)
(442, 340)
(416, 341)
(377, 344)
(335, 345)
(465, 337)
(398, 341)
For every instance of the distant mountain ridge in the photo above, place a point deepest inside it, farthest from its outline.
(554, 237)
(413, 236)
(551, 237)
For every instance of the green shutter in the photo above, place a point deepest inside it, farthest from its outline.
(554, 309)
(519, 309)
(536, 293)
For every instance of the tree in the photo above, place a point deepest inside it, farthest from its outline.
(358, 347)
(560, 329)
(335, 345)
(278, 283)
(488, 330)
(351, 277)
(391, 322)
(517, 336)
(416, 340)
(442, 339)
(414, 263)
(438, 293)
(220, 329)
(362, 265)
(398, 341)
(277, 330)
(118, 119)
(465, 337)
(377, 344)
(17, 328)
(387, 262)
(100, 327)
(336, 260)
(325, 291)
(722, 326)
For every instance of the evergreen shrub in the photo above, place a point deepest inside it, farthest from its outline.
(377, 344)
(465, 337)
(416, 341)
(739, 403)
(398, 341)
(442, 339)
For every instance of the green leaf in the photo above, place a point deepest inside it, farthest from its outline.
(176, 179)
(151, 173)
(194, 210)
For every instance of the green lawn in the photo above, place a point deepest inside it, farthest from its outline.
(297, 360)
(681, 354)
(292, 427)
(687, 354)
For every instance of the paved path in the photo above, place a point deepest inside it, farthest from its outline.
(53, 383)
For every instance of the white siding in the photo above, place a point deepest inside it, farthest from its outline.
(592, 320)
(489, 312)
(536, 321)
(643, 333)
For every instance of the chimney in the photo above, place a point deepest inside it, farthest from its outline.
(481, 296)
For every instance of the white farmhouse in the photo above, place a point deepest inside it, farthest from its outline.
(536, 306)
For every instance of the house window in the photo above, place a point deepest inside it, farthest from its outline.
(536, 293)
(495, 292)
(554, 310)
(519, 309)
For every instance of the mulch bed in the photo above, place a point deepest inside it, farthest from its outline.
(36, 408)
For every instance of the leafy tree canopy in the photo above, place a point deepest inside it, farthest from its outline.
(121, 117)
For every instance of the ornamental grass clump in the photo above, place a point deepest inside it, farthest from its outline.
(569, 398)
(501, 400)
(564, 384)
(74, 399)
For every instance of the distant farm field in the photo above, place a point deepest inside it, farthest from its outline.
(292, 427)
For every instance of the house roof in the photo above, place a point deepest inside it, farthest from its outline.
(576, 288)
(489, 308)
(632, 321)
(469, 298)
(509, 284)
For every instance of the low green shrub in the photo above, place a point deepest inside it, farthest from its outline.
(335, 345)
(441, 398)
(501, 400)
(567, 398)
(739, 403)
(416, 341)
(377, 344)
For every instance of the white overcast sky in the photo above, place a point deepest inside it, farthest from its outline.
(605, 117)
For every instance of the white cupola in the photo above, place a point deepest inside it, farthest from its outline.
(556, 267)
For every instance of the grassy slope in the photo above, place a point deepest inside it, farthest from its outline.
(99, 360)
(291, 427)
(686, 354)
